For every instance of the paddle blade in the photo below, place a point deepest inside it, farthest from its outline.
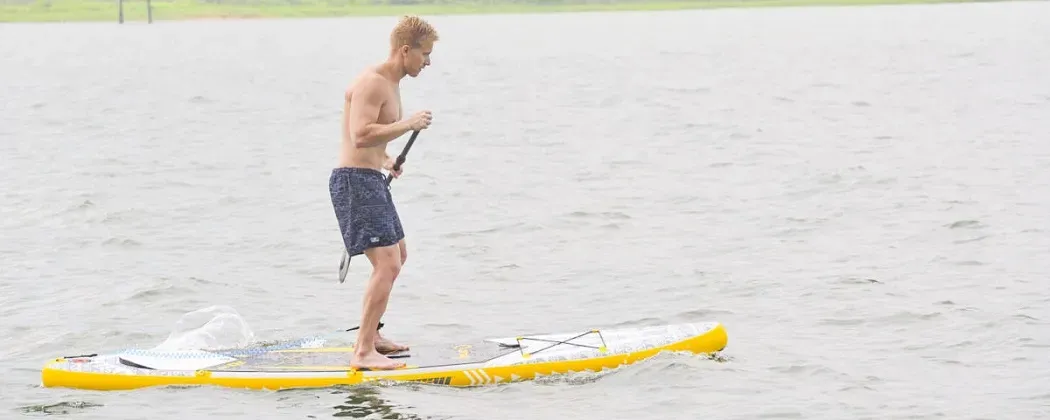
(344, 266)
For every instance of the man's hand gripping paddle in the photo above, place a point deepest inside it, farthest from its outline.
(344, 265)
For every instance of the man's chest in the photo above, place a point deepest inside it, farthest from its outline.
(392, 108)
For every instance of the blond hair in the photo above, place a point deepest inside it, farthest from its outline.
(412, 31)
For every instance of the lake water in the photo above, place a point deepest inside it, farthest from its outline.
(861, 195)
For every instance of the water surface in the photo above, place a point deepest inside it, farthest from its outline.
(859, 194)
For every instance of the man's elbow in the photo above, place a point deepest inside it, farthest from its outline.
(363, 138)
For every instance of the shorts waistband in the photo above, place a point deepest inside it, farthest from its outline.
(358, 170)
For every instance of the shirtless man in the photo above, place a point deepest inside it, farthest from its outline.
(372, 117)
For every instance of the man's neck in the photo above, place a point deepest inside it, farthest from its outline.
(392, 70)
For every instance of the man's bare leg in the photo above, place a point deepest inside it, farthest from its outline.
(386, 265)
(384, 345)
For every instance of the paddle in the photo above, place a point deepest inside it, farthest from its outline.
(344, 265)
(401, 158)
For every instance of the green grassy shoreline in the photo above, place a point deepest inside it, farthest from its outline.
(135, 10)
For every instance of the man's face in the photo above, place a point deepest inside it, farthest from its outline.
(416, 59)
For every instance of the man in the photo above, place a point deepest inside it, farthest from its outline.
(372, 117)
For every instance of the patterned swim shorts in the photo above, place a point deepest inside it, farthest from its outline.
(364, 209)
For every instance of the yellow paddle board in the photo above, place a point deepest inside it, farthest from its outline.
(307, 362)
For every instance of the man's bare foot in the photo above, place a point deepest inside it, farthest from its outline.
(386, 346)
(374, 361)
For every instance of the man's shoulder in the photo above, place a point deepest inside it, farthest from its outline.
(370, 82)
(370, 74)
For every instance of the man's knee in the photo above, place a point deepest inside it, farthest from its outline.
(390, 267)
(390, 270)
(386, 261)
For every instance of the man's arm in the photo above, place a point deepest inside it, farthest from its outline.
(364, 114)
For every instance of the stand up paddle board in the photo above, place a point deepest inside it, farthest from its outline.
(307, 362)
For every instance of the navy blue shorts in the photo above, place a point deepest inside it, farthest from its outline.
(364, 208)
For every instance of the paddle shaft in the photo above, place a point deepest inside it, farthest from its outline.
(401, 158)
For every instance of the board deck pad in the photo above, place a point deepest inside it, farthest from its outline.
(328, 359)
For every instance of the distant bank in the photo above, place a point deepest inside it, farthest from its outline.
(135, 10)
